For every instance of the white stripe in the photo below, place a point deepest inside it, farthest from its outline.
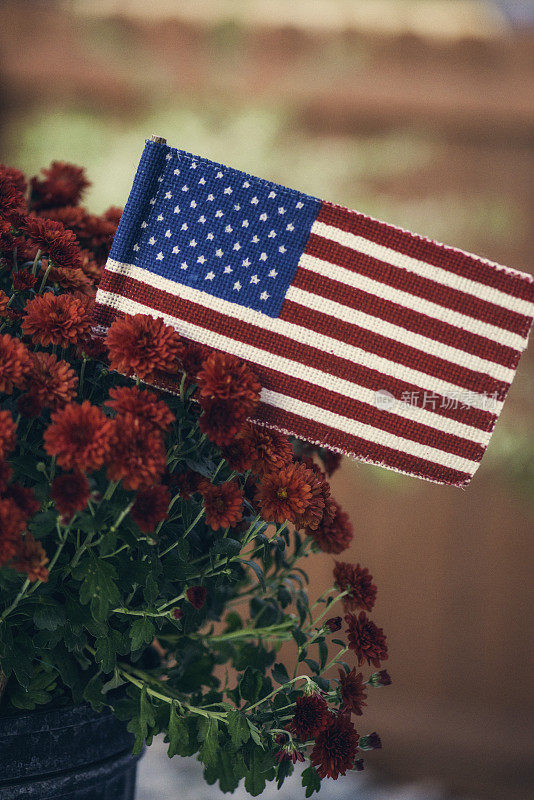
(443, 276)
(299, 371)
(320, 341)
(360, 429)
(411, 301)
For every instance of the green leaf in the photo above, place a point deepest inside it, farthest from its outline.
(250, 684)
(48, 615)
(113, 683)
(255, 734)
(151, 589)
(178, 734)
(279, 673)
(98, 587)
(260, 770)
(313, 665)
(105, 653)
(227, 547)
(141, 632)
(257, 570)
(237, 728)
(323, 653)
(142, 724)
(209, 733)
(93, 693)
(311, 781)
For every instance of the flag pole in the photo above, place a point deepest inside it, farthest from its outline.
(158, 139)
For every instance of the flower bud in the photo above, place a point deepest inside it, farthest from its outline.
(370, 742)
(379, 678)
(177, 613)
(358, 765)
(333, 624)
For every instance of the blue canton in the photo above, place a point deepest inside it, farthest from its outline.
(221, 231)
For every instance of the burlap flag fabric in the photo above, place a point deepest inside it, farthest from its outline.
(367, 339)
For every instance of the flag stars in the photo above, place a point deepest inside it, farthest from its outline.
(210, 276)
(272, 195)
(219, 253)
(185, 188)
(273, 273)
(160, 217)
(193, 165)
(202, 181)
(168, 234)
(184, 226)
(254, 279)
(237, 246)
(237, 207)
(168, 156)
(263, 257)
(192, 204)
(176, 209)
(175, 249)
(152, 240)
(152, 201)
(299, 205)
(263, 217)
(237, 286)
(210, 236)
(228, 190)
(192, 243)
(290, 227)
(210, 198)
(255, 239)
(246, 185)
(143, 224)
(168, 196)
(176, 171)
(246, 262)
(281, 210)
(282, 249)
(219, 174)
(254, 201)
(244, 224)
(183, 265)
(136, 247)
(219, 213)
(159, 256)
(201, 260)
(227, 270)
(272, 234)
(202, 219)
(264, 296)
(229, 229)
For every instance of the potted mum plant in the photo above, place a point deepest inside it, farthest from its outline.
(150, 542)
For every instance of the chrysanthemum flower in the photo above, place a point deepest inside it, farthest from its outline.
(359, 582)
(55, 241)
(334, 536)
(79, 437)
(141, 345)
(5, 474)
(25, 499)
(366, 639)
(239, 454)
(352, 690)
(193, 358)
(12, 523)
(188, 483)
(380, 678)
(272, 450)
(285, 494)
(371, 741)
(8, 431)
(320, 509)
(14, 363)
(143, 405)
(219, 422)
(23, 280)
(151, 507)
(136, 454)
(4, 300)
(11, 198)
(331, 461)
(56, 319)
(63, 185)
(31, 559)
(226, 378)
(223, 504)
(310, 717)
(73, 278)
(197, 596)
(335, 747)
(51, 383)
(16, 177)
(70, 493)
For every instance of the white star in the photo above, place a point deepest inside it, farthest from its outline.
(263, 257)
(237, 246)
(159, 256)
(153, 200)
(211, 197)
(202, 219)
(160, 179)
(255, 239)
(202, 181)
(183, 265)
(192, 204)
(185, 188)
(254, 201)
(244, 224)
(299, 204)
(219, 253)
(210, 276)
(193, 165)
(281, 210)
(246, 262)
(228, 229)
(290, 227)
(272, 234)
(219, 213)
(192, 243)
(184, 226)
(264, 296)
(219, 175)
(273, 273)
(176, 171)
(143, 224)
(168, 156)
(254, 279)
(201, 260)
(176, 209)
(228, 270)
(237, 207)
(210, 236)
(152, 240)
(160, 217)
(175, 249)
(263, 217)
(237, 286)
(228, 190)
(168, 234)
(282, 249)
(271, 195)
(168, 196)
(246, 185)
(136, 247)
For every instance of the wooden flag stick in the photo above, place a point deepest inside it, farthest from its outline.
(158, 139)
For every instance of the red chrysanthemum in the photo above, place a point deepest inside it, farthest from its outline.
(142, 346)
(352, 690)
(8, 433)
(31, 559)
(336, 535)
(23, 280)
(219, 422)
(142, 405)
(239, 454)
(72, 278)
(193, 358)
(188, 483)
(223, 504)
(335, 747)
(4, 303)
(331, 461)
(285, 494)
(197, 596)
(51, 383)
(63, 185)
(366, 639)
(54, 241)
(57, 319)
(310, 716)
(5, 474)
(272, 450)
(25, 499)
(12, 523)
(29, 406)
(14, 363)
(136, 454)
(79, 436)
(151, 507)
(226, 378)
(359, 582)
(320, 508)
(70, 493)
(11, 198)
(16, 177)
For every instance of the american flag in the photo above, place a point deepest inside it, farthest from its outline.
(367, 339)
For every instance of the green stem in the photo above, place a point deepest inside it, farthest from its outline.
(221, 716)
(187, 532)
(82, 375)
(45, 277)
(279, 689)
(35, 262)
(16, 601)
(252, 633)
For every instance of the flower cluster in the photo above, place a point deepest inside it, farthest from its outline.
(140, 502)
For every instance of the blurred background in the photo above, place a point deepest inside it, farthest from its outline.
(419, 112)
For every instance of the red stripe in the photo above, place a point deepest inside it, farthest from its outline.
(358, 448)
(406, 318)
(394, 351)
(438, 255)
(416, 285)
(287, 347)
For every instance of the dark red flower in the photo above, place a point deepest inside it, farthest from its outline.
(79, 436)
(51, 383)
(320, 509)
(31, 559)
(177, 613)
(285, 494)
(193, 358)
(54, 241)
(197, 596)
(310, 717)
(29, 406)
(8, 430)
(14, 363)
(56, 319)
(226, 378)
(188, 483)
(333, 624)
(335, 747)
(334, 536)
(272, 449)
(70, 493)
(12, 523)
(381, 678)
(352, 690)
(63, 185)
(371, 741)
(25, 499)
(359, 582)
(17, 178)
(136, 455)
(239, 454)
(11, 197)
(4, 303)
(219, 422)
(331, 461)
(151, 507)
(5, 474)
(142, 405)
(23, 280)
(141, 345)
(366, 639)
(223, 504)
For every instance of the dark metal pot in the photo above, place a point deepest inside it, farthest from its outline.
(66, 754)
